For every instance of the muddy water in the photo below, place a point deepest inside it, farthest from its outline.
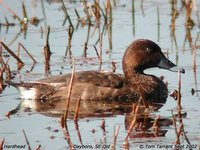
(43, 128)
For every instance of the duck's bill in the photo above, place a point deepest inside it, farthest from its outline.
(167, 64)
(176, 69)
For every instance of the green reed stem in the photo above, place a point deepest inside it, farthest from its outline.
(133, 16)
(24, 11)
(66, 14)
(158, 22)
(105, 18)
(77, 14)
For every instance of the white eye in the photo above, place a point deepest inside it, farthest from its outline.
(148, 49)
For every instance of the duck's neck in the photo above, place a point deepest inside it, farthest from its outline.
(140, 78)
(130, 73)
(151, 86)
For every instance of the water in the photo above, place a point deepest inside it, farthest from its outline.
(46, 130)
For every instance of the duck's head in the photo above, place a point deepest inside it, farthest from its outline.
(143, 54)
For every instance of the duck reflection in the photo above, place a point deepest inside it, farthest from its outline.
(146, 125)
(87, 108)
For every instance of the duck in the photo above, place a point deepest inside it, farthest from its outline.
(109, 87)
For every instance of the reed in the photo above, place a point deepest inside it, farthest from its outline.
(21, 45)
(110, 35)
(114, 3)
(103, 127)
(69, 92)
(10, 10)
(173, 36)
(78, 132)
(20, 62)
(7, 23)
(194, 58)
(1, 80)
(102, 12)
(155, 126)
(8, 73)
(142, 97)
(24, 20)
(66, 14)
(108, 8)
(26, 139)
(85, 50)
(38, 147)
(67, 136)
(179, 107)
(195, 52)
(185, 135)
(126, 145)
(133, 6)
(77, 14)
(1, 58)
(175, 128)
(133, 16)
(97, 53)
(114, 66)
(116, 132)
(180, 131)
(1, 144)
(88, 34)
(155, 123)
(77, 109)
(133, 123)
(47, 47)
(194, 65)
(86, 43)
(100, 47)
(25, 17)
(43, 12)
(47, 52)
(158, 23)
(196, 10)
(109, 23)
(188, 20)
(6, 69)
(188, 37)
(70, 33)
(41, 30)
(8, 114)
(87, 12)
(174, 14)
(95, 11)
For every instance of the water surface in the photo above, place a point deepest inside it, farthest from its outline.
(46, 130)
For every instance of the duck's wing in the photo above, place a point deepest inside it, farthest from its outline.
(41, 89)
(54, 80)
(103, 79)
(97, 78)
(94, 85)
(90, 85)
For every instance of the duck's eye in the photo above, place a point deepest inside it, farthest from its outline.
(148, 50)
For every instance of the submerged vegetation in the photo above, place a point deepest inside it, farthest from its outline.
(97, 16)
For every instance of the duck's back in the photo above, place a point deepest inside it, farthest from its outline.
(105, 79)
(89, 85)
(86, 84)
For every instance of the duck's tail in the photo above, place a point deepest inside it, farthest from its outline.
(27, 90)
